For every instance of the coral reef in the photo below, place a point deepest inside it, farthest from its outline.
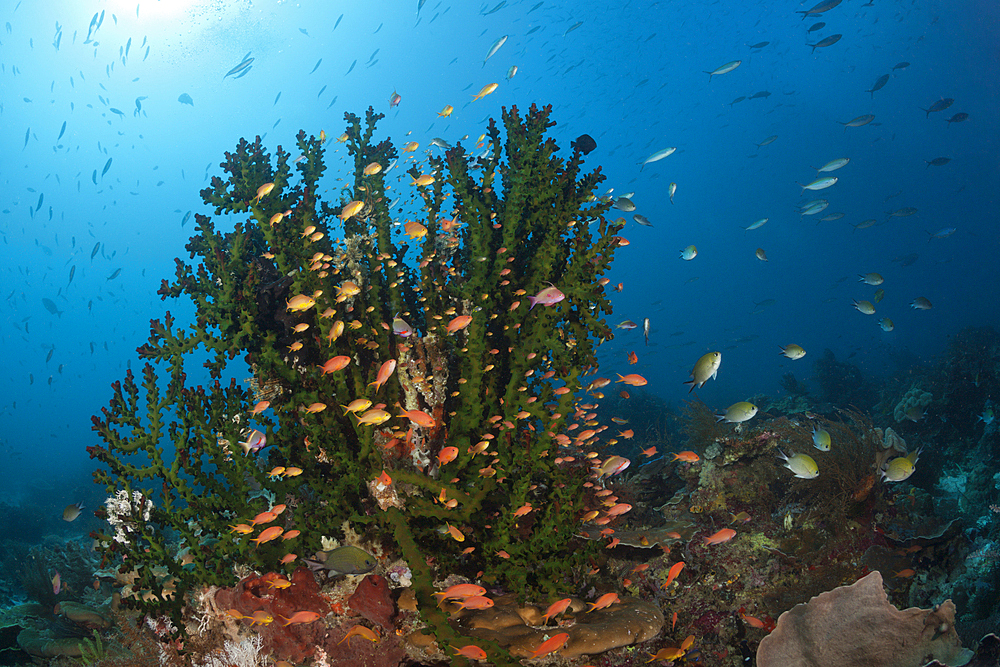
(470, 387)
(912, 405)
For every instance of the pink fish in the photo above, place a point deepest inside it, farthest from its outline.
(56, 584)
(723, 535)
(395, 99)
(256, 442)
(401, 328)
(549, 296)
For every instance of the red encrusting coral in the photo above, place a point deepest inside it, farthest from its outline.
(292, 642)
(373, 601)
(297, 642)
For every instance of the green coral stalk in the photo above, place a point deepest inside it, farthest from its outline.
(301, 281)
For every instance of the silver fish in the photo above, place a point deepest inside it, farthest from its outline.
(493, 49)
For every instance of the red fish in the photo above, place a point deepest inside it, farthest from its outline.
(384, 371)
(269, 534)
(672, 574)
(470, 651)
(459, 323)
(605, 600)
(462, 591)
(632, 379)
(335, 364)
(549, 296)
(553, 643)
(723, 535)
(302, 617)
(557, 608)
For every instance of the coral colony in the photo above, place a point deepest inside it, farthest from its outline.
(410, 393)
(420, 469)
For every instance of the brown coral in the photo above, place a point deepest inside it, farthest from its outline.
(628, 622)
(857, 626)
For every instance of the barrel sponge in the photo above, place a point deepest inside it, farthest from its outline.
(857, 626)
(915, 398)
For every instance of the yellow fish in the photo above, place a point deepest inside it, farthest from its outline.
(351, 209)
(414, 229)
(444, 113)
(484, 92)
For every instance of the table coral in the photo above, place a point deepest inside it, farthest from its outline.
(519, 628)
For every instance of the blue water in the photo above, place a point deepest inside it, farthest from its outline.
(632, 75)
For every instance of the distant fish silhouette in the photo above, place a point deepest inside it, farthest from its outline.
(584, 143)
(185, 99)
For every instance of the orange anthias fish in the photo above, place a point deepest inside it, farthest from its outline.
(632, 379)
(753, 621)
(384, 371)
(444, 113)
(553, 643)
(627, 434)
(671, 653)
(649, 452)
(334, 364)
(633, 358)
(264, 517)
(462, 591)
(672, 574)
(360, 631)
(302, 617)
(723, 535)
(455, 533)
(269, 534)
(686, 457)
(447, 455)
(476, 602)
(420, 418)
(557, 608)
(471, 651)
(604, 601)
(459, 323)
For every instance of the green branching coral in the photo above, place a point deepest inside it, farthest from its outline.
(303, 281)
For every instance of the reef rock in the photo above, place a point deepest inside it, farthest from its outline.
(38, 645)
(628, 622)
(857, 626)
